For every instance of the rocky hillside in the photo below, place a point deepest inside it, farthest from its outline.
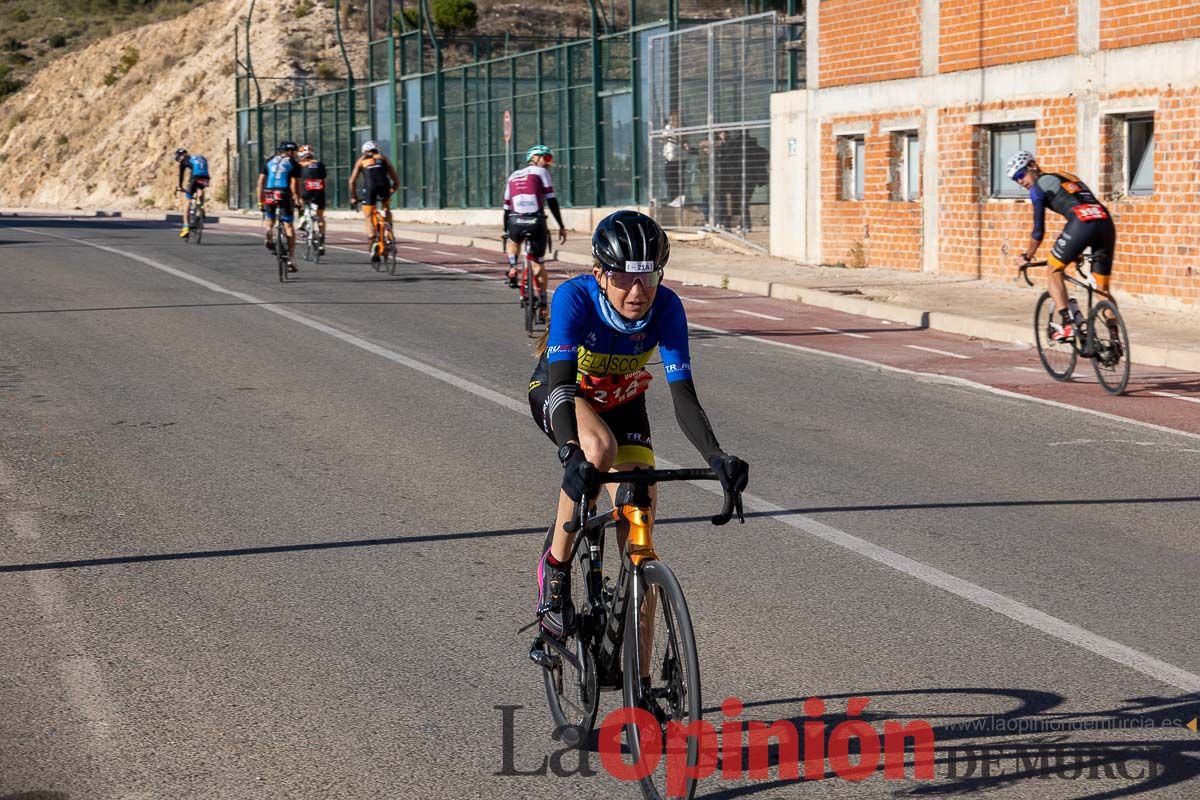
(98, 126)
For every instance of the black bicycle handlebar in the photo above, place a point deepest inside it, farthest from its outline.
(1024, 269)
(649, 477)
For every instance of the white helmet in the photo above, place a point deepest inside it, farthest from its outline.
(1017, 163)
(368, 146)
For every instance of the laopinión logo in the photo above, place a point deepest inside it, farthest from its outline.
(852, 750)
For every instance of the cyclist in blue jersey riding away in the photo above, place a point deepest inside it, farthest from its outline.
(198, 165)
(527, 193)
(277, 193)
(587, 392)
(1088, 225)
(380, 182)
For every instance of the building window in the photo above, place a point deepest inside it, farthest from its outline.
(1003, 141)
(1139, 163)
(906, 166)
(851, 162)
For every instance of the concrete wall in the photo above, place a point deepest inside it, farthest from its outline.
(1076, 100)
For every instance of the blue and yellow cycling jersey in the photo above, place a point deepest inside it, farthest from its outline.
(198, 165)
(611, 363)
(279, 171)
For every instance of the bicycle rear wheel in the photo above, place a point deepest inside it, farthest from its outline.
(571, 688)
(659, 644)
(281, 253)
(1057, 357)
(530, 297)
(1109, 346)
(198, 224)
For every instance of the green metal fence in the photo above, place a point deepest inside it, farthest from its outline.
(443, 123)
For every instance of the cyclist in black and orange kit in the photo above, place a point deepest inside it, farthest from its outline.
(311, 183)
(1088, 225)
(380, 183)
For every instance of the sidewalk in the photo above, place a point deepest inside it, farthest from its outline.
(1160, 337)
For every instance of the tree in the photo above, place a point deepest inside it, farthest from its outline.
(455, 16)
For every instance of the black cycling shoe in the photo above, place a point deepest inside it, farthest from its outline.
(270, 243)
(554, 608)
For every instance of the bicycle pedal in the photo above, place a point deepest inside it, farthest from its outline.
(539, 656)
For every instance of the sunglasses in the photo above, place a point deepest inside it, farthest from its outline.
(625, 280)
(1017, 177)
(549, 159)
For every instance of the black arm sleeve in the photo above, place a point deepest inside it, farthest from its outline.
(552, 204)
(692, 419)
(505, 223)
(562, 402)
(182, 167)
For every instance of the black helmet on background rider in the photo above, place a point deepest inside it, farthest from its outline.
(285, 146)
(630, 241)
(180, 153)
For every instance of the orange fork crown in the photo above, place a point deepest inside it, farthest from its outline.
(641, 524)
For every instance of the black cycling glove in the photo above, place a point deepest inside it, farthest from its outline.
(578, 474)
(733, 472)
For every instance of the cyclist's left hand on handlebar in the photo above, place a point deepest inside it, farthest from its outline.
(733, 473)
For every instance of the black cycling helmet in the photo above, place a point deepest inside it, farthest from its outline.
(630, 236)
(286, 144)
(180, 153)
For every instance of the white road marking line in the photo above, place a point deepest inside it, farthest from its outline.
(439, 268)
(481, 260)
(407, 247)
(1060, 629)
(1177, 397)
(939, 352)
(1030, 369)
(444, 253)
(756, 314)
(695, 300)
(843, 333)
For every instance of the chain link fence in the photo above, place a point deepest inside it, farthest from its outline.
(710, 124)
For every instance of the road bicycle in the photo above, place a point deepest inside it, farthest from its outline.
(1100, 334)
(194, 219)
(314, 240)
(383, 242)
(527, 287)
(279, 234)
(638, 626)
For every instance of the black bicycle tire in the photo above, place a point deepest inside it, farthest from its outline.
(530, 298)
(657, 574)
(281, 253)
(392, 260)
(199, 224)
(584, 725)
(1094, 321)
(1046, 302)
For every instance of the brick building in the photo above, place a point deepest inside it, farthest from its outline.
(893, 155)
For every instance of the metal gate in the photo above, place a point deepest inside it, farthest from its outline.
(710, 124)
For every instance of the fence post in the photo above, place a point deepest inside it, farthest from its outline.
(597, 83)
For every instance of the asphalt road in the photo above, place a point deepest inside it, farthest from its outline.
(266, 541)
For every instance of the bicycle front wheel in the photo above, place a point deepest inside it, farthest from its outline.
(662, 672)
(572, 690)
(1109, 347)
(1057, 357)
(530, 298)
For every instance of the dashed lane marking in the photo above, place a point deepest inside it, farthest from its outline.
(756, 314)
(1174, 396)
(843, 333)
(933, 350)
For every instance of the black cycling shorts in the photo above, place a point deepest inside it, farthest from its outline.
(533, 228)
(375, 195)
(628, 422)
(317, 198)
(281, 198)
(1076, 236)
(195, 185)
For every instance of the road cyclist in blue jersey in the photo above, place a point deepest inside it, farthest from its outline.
(278, 190)
(587, 393)
(197, 165)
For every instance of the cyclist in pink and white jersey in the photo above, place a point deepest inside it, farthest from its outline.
(527, 193)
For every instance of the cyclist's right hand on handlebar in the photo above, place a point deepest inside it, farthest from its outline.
(733, 473)
(578, 474)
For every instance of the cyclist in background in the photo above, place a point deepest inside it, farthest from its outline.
(587, 391)
(312, 190)
(277, 193)
(1088, 225)
(380, 182)
(527, 192)
(198, 165)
